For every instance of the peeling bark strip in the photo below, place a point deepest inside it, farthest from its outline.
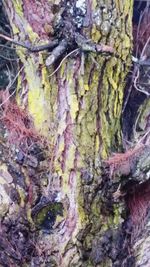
(78, 109)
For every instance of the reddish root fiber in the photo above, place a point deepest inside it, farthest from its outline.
(18, 123)
(139, 203)
(122, 163)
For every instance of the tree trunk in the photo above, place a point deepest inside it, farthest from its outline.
(77, 108)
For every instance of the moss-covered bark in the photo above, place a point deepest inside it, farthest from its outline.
(78, 109)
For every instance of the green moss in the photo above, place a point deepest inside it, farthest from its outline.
(47, 215)
(116, 218)
(22, 196)
(95, 208)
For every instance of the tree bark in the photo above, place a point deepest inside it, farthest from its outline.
(78, 109)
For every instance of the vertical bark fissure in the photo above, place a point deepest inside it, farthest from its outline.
(98, 112)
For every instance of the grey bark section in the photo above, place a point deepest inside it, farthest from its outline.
(142, 247)
(142, 171)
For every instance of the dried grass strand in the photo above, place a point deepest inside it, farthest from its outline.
(9, 86)
(68, 55)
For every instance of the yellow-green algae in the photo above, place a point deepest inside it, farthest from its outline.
(42, 215)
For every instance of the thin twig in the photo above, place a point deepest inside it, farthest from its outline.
(13, 41)
(68, 55)
(130, 89)
(9, 86)
(144, 48)
(6, 46)
(135, 84)
(9, 75)
(138, 29)
(143, 137)
(50, 45)
(138, 72)
(10, 59)
(135, 124)
(146, 28)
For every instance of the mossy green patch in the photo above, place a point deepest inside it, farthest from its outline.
(46, 216)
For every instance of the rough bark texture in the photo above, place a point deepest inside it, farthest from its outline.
(78, 109)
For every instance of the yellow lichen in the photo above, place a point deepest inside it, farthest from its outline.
(18, 7)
